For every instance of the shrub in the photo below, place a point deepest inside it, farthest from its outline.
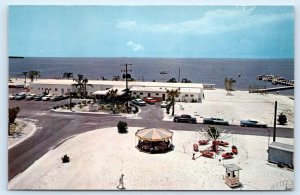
(282, 119)
(65, 159)
(122, 127)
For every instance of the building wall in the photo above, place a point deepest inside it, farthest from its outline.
(280, 156)
(60, 89)
(55, 89)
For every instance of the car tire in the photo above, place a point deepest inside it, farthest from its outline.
(176, 120)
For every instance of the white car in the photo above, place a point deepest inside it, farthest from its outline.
(164, 104)
(30, 96)
(11, 96)
(47, 97)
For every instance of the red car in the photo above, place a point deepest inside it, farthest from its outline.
(150, 100)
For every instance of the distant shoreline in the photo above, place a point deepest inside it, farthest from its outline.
(16, 57)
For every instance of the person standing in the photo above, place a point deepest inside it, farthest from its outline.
(121, 182)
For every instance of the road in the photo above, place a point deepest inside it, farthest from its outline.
(55, 127)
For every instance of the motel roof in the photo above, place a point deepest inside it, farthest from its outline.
(119, 83)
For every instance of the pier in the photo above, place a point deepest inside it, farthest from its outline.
(275, 80)
(265, 90)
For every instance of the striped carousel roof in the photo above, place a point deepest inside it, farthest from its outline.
(154, 134)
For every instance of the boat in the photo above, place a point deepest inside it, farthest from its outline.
(163, 72)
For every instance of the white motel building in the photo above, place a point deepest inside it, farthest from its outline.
(188, 91)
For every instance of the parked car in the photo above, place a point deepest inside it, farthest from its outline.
(252, 123)
(56, 98)
(215, 121)
(138, 102)
(150, 100)
(184, 118)
(11, 96)
(47, 97)
(164, 104)
(30, 96)
(20, 96)
(38, 97)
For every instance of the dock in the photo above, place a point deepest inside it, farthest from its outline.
(275, 80)
(270, 89)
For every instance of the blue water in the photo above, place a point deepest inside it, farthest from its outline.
(197, 70)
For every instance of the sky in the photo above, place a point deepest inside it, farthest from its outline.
(151, 31)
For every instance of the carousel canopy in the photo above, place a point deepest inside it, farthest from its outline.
(154, 134)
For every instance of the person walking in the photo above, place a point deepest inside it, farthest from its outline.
(121, 182)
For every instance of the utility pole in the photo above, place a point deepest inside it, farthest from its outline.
(178, 75)
(275, 116)
(126, 78)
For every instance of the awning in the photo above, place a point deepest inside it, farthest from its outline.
(154, 134)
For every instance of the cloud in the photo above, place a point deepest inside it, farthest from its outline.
(216, 21)
(134, 46)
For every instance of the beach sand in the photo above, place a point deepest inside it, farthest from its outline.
(99, 157)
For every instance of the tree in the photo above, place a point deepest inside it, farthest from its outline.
(81, 85)
(34, 74)
(68, 75)
(282, 119)
(172, 94)
(112, 95)
(12, 115)
(25, 75)
(229, 82)
(213, 132)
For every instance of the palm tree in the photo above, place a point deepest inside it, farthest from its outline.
(112, 95)
(85, 81)
(25, 75)
(34, 74)
(81, 85)
(68, 75)
(229, 82)
(172, 94)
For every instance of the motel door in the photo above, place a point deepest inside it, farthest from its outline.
(149, 94)
(62, 91)
(163, 97)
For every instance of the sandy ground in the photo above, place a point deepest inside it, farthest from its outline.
(241, 105)
(25, 129)
(99, 157)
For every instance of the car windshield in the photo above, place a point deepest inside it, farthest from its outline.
(253, 121)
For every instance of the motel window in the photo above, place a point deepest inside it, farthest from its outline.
(156, 94)
(42, 88)
(134, 93)
(192, 95)
(55, 89)
(186, 95)
(107, 88)
(38, 88)
(141, 93)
